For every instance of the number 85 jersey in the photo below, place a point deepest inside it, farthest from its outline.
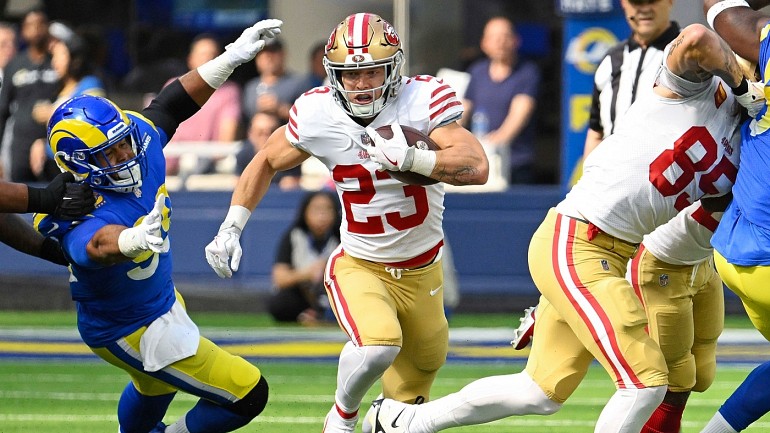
(384, 220)
(666, 155)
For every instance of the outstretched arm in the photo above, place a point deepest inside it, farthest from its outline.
(740, 26)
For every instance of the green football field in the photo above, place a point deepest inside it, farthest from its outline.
(80, 395)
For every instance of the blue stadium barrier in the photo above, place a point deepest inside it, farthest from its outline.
(489, 235)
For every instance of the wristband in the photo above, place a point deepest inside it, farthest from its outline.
(236, 217)
(424, 162)
(217, 70)
(35, 200)
(717, 8)
(742, 88)
(130, 243)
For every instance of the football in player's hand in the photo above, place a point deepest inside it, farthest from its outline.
(416, 138)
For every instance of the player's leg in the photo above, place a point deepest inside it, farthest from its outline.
(708, 315)
(581, 272)
(366, 311)
(232, 390)
(752, 398)
(667, 292)
(425, 334)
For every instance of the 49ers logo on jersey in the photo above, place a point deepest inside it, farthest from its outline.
(390, 34)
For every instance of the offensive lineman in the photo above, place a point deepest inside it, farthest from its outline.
(382, 280)
(588, 309)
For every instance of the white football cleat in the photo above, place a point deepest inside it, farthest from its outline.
(334, 423)
(522, 335)
(391, 416)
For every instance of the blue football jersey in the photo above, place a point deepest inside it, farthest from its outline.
(743, 234)
(113, 301)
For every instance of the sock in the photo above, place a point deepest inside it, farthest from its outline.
(717, 424)
(359, 368)
(667, 418)
(628, 409)
(138, 413)
(750, 401)
(485, 400)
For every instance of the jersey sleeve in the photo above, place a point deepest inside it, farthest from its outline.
(440, 106)
(305, 116)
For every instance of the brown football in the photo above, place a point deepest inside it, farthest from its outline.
(414, 137)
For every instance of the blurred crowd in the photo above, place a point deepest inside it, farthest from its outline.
(45, 62)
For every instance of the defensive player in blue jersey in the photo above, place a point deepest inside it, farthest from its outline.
(742, 239)
(128, 310)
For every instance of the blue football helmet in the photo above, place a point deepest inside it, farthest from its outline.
(79, 133)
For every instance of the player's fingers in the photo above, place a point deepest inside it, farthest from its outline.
(235, 262)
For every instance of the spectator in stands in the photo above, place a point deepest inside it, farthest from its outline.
(316, 75)
(260, 128)
(217, 121)
(7, 45)
(300, 260)
(29, 78)
(275, 90)
(71, 59)
(500, 100)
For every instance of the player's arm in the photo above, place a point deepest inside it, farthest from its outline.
(62, 197)
(697, 54)
(740, 26)
(461, 160)
(114, 243)
(19, 235)
(277, 155)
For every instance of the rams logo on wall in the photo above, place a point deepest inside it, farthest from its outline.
(587, 49)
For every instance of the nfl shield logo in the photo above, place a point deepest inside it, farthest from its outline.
(605, 265)
(663, 280)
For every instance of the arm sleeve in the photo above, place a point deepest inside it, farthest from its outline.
(171, 107)
(75, 242)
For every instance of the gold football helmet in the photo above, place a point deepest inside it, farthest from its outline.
(361, 41)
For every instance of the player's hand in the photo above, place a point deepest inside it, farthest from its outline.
(62, 198)
(226, 245)
(392, 154)
(754, 99)
(252, 40)
(147, 236)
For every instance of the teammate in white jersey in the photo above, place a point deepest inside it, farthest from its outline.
(671, 151)
(383, 280)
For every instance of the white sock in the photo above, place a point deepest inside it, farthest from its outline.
(629, 409)
(485, 400)
(359, 368)
(718, 424)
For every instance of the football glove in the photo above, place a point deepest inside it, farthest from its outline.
(754, 99)
(252, 40)
(391, 154)
(226, 246)
(62, 198)
(147, 236)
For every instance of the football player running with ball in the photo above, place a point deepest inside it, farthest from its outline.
(383, 279)
(128, 310)
(677, 146)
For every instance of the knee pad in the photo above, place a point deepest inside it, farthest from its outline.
(253, 403)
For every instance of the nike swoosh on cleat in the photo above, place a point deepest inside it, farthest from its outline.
(393, 424)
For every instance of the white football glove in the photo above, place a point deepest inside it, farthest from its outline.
(147, 236)
(252, 40)
(754, 99)
(224, 253)
(392, 154)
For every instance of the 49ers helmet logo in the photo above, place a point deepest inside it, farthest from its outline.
(391, 37)
(331, 40)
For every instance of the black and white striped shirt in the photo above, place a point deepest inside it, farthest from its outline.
(626, 70)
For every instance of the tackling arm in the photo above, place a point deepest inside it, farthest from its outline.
(740, 26)
(698, 53)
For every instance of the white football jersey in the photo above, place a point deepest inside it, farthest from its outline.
(686, 238)
(384, 220)
(668, 154)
